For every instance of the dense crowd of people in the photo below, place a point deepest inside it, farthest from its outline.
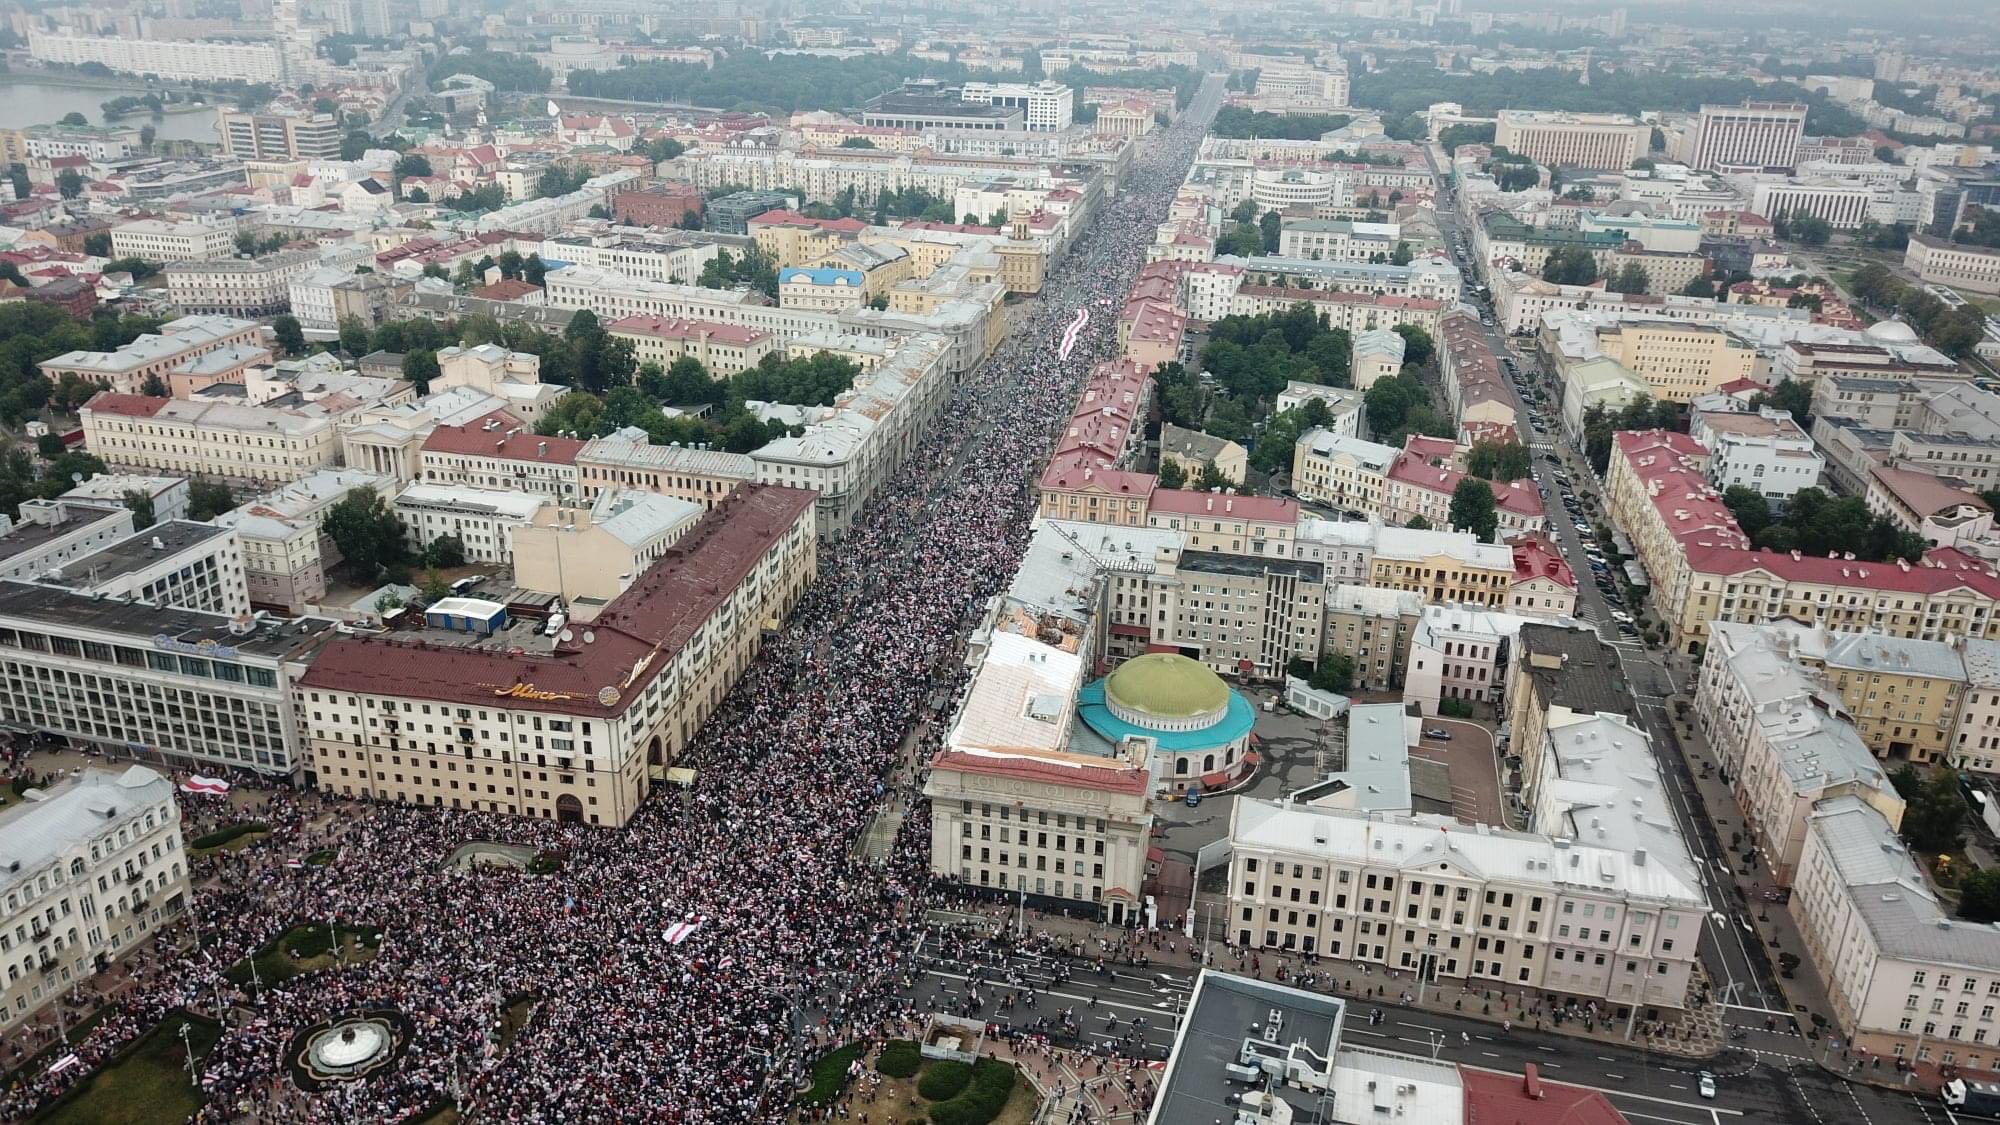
(798, 944)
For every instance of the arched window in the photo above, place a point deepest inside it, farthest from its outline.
(1180, 765)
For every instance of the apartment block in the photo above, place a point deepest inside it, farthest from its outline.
(1573, 140)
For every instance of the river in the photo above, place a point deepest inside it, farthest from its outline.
(24, 103)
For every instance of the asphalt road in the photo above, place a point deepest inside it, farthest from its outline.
(1730, 950)
(1763, 1078)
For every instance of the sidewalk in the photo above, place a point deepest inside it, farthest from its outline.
(1694, 1032)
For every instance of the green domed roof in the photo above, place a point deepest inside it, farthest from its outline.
(1167, 685)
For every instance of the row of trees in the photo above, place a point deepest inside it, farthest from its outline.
(1236, 121)
(31, 332)
(747, 80)
(1953, 331)
(1815, 523)
(1641, 413)
(1400, 406)
(1797, 226)
(508, 72)
(727, 423)
(375, 546)
(1570, 265)
(753, 268)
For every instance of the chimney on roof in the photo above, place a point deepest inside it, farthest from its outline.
(1531, 1082)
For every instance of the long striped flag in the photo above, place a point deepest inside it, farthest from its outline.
(681, 931)
(214, 786)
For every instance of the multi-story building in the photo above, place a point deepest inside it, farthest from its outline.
(243, 287)
(1783, 737)
(1975, 734)
(174, 60)
(1902, 694)
(672, 255)
(700, 476)
(1237, 613)
(498, 453)
(1342, 472)
(1765, 451)
(1754, 136)
(279, 136)
(576, 728)
(483, 520)
(190, 688)
(1573, 140)
(1470, 902)
(97, 866)
(1944, 513)
(594, 553)
(1457, 653)
(157, 240)
(927, 106)
(1446, 567)
(1544, 585)
(1905, 979)
(175, 563)
(1338, 240)
(1372, 628)
(1377, 355)
(1046, 107)
(1843, 204)
(661, 205)
(286, 551)
(1679, 362)
(248, 445)
(151, 356)
(723, 349)
(1556, 675)
(514, 378)
(1938, 261)
(49, 533)
(1423, 480)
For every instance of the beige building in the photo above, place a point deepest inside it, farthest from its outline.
(1561, 139)
(515, 378)
(594, 553)
(247, 287)
(157, 240)
(247, 445)
(1905, 979)
(1469, 902)
(286, 553)
(574, 729)
(1902, 694)
(153, 355)
(724, 349)
(1975, 735)
(1783, 737)
(701, 476)
(1935, 260)
(1444, 567)
(1378, 354)
(1344, 473)
(1372, 628)
(1193, 451)
(96, 866)
(1680, 362)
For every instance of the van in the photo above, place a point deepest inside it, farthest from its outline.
(1194, 795)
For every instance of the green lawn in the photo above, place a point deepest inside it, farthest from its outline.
(305, 949)
(148, 1084)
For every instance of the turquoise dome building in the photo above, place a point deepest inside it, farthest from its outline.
(1197, 726)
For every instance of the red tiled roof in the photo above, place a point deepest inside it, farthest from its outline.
(1324, 296)
(132, 406)
(1264, 509)
(781, 217)
(1110, 779)
(1519, 497)
(1536, 557)
(505, 443)
(1078, 470)
(506, 289)
(949, 228)
(1942, 569)
(678, 328)
(634, 638)
(1506, 1099)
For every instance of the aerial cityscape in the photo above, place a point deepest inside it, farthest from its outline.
(1231, 564)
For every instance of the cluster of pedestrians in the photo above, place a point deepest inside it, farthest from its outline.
(795, 943)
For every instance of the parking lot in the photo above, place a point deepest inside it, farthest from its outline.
(1475, 780)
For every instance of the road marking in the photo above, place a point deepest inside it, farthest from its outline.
(1619, 1077)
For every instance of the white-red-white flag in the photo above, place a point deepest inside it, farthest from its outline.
(681, 931)
(214, 786)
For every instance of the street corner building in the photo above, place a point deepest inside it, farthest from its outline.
(481, 710)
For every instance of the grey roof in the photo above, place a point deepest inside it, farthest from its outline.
(1220, 1014)
(1890, 895)
(1192, 444)
(1583, 673)
(65, 610)
(27, 535)
(1378, 757)
(136, 551)
(1982, 662)
(1251, 566)
(1609, 792)
(36, 833)
(1903, 656)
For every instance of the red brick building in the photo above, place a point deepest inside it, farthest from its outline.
(661, 205)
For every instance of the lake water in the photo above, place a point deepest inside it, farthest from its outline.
(36, 103)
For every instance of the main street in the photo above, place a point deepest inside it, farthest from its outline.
(1763, 1078)
(1737, 967)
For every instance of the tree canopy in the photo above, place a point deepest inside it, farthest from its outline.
(1236, 121)
(1815, 523)
(508, 72)
(1400, 406)
(367, 534)
(1474, 509)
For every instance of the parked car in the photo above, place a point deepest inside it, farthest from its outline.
(1439, 733)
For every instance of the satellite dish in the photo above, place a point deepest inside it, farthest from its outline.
(567, 635)
(76, 478)
(589, 636)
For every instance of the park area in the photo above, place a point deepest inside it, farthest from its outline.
(305, 949)
(145, 1084)
(903, 1085)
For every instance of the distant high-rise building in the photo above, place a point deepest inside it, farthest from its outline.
(1573, 140)
(1753, 136)
(375, 18)
(275, 136)
(1889, 66)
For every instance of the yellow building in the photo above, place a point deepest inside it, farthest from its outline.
(574, 728)
(1680, 362)
(1902, 693)
(1445, 567)
(791, 239)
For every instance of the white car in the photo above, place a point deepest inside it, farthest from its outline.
(1705, 1082)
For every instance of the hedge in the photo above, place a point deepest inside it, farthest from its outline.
(222, 836)
(992, 1084)
(946, 1079)
(900, 1058)
(829, 1075)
